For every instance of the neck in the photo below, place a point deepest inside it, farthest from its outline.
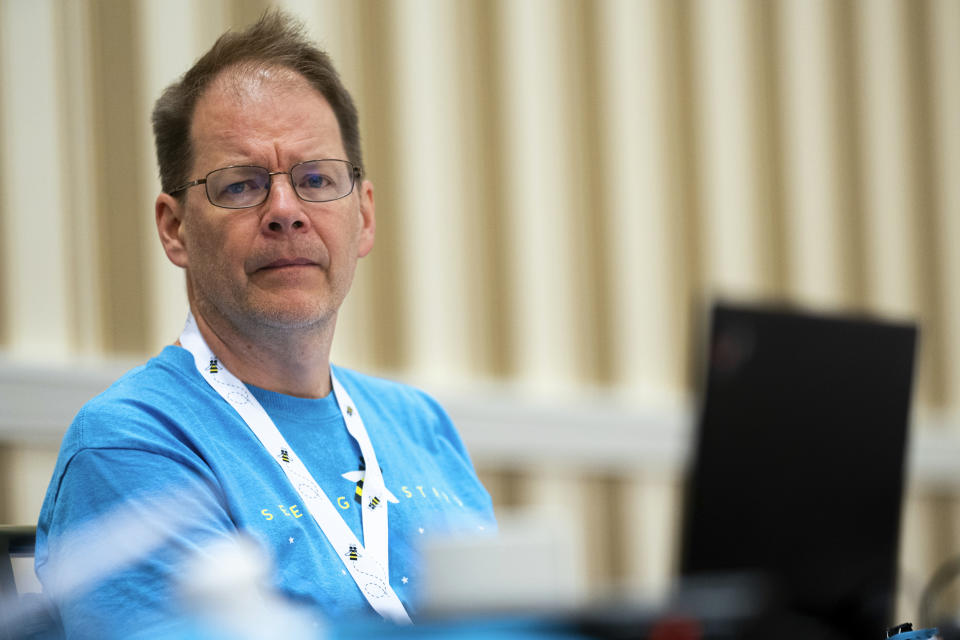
(291, 361)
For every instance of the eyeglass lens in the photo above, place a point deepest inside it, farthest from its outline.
(314, 181)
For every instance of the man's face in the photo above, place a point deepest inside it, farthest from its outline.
(285, 263)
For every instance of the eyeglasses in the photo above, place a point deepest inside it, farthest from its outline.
(246, 186)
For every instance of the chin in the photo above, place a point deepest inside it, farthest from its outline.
(292, 316)
(290, 311)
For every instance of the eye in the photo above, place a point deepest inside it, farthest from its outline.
(240, 189)
(239, 193)
(321, 180)
(237, 188)
(315, 181)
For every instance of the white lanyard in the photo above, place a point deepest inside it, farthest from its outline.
(366, 563)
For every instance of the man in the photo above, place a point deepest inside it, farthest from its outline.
(243, 424)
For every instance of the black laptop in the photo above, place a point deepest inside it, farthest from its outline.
(797, 477)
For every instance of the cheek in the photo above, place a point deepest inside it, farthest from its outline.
(348, 233)
(337, 235)
(208, 248)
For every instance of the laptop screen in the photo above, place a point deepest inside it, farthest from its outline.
(798, 468)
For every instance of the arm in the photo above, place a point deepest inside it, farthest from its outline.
(114, 533)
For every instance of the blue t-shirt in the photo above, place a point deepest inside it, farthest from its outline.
(161, 432)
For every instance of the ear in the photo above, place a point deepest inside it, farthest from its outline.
(368, 219)
(169, 215)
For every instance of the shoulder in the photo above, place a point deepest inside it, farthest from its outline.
(144, 405)
(146, 430)
(400, 410)
(397, 397)
(139, 437)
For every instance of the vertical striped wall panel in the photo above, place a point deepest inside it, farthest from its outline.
(35, 190)
(818, 275)
(642, 246)
(541, 173)
(943, 21)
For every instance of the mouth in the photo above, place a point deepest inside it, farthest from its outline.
(283, 263)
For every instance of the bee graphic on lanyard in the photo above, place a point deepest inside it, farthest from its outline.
(373, 503)
(214, 366)
(284, 455)
(353, 554)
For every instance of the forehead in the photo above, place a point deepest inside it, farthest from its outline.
(269, 116)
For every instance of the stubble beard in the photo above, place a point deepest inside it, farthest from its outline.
(258, 317)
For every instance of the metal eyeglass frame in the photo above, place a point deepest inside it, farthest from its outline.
(355, 172)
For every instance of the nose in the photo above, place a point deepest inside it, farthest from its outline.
(283, 210)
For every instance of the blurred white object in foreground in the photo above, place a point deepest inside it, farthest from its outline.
(528, 565)
(227, 588)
